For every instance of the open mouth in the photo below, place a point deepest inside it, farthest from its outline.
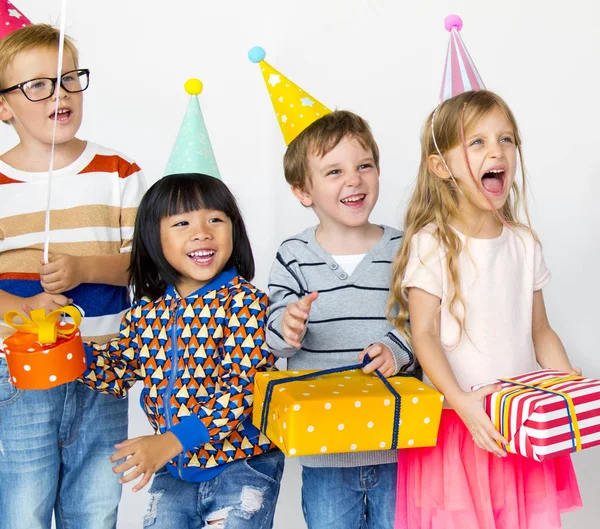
(354, 201)
(202, 257)
(493, 181)
(63, 114)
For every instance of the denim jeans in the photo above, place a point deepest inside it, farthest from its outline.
(243, 496)
(349, 498)
(54, 450)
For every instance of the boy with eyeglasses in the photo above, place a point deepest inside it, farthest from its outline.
(55, 444)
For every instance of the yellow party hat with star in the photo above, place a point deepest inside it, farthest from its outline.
(295, 108)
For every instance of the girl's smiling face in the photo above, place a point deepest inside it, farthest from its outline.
(198, 245)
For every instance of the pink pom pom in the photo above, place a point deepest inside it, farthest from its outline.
(453, 22)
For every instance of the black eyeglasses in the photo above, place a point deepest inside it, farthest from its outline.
(44, 87)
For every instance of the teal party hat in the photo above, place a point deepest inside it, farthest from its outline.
(193, 152)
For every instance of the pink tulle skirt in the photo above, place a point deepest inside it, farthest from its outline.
(456, 485)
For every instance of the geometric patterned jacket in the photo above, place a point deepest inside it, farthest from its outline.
(197, 357)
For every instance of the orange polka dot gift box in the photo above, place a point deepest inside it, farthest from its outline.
(343, 410)
(44, 351)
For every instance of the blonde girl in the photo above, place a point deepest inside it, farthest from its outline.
(471, 274)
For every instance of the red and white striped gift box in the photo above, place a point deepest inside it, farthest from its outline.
(546, 413)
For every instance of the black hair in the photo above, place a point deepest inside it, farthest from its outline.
(149, 271)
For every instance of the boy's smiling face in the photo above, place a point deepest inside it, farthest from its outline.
(34, 121)
(343, 186)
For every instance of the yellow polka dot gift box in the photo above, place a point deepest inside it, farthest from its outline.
(334, 411)
(44, 351)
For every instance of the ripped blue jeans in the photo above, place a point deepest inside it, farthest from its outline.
(243, 496)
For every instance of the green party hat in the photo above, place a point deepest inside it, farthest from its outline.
(193, 152)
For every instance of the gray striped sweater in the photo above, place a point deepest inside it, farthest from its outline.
(348, 316)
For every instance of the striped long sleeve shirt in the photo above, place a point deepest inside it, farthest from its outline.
(348, 316)
(93, 206)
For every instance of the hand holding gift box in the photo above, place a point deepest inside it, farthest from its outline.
(546, 413)
(44, 351)
(344, 410)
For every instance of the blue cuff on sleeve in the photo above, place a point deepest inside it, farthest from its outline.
(191, 432)
(89, 355)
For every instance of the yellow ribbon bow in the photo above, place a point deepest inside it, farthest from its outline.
(45, 326)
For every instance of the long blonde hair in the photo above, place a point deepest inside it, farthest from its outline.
(435, 200)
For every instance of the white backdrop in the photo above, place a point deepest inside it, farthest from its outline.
(382, 59)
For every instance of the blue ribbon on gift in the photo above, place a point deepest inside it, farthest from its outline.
(264, 419)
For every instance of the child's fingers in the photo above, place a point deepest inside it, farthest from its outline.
(134, 474)
(49, 288)
(374, 364)
(290, 331)
(50, 268)
(61, 301)
(479, 424)
(494, 448)
(492, 437)
(479, 441)
(126, 465)
(388, 370)
(52, 257)
(143, 482)
(54, 288)
(297, 313)
(292, 339)
(307, 301)
(496, 435)
(379, 360)
(294, 324)
(485, 436)
(127, 442)
(575, 372)
(375, 350)
(485, 443)
(490, 434)
(290, 336)
(122, 453)
(52, 277)
(294, 320)
(483, 392)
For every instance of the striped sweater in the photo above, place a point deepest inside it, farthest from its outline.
(348, 316)
(196, 357)
(93, 206)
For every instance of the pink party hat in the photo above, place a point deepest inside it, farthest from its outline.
(11, 18)
(460, 74)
